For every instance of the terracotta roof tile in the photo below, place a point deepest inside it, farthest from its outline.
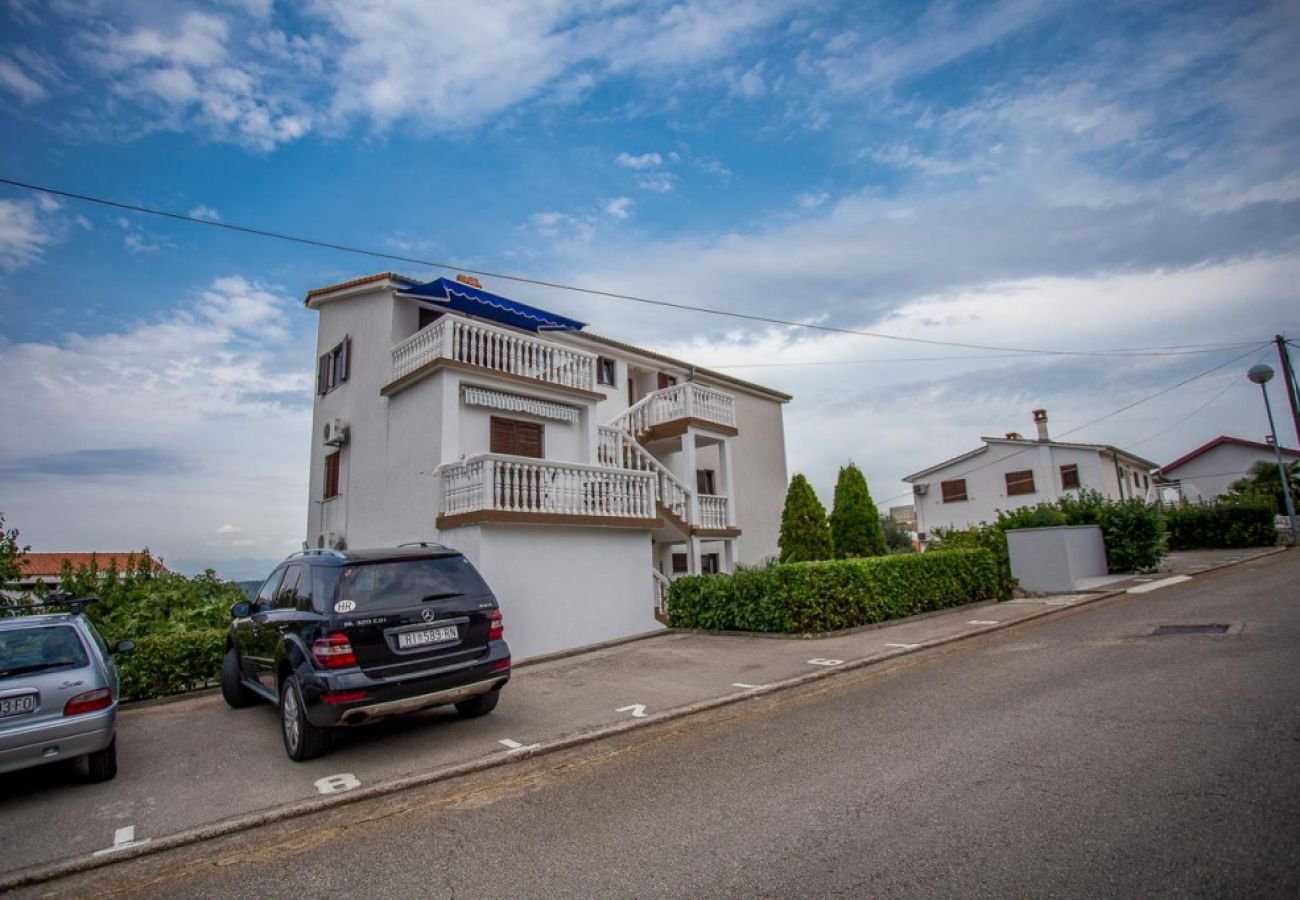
(42, 564)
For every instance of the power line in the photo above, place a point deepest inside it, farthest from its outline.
(1210, 348)
(520, 279)
(1232, 382)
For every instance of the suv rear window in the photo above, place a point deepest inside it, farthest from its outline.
(26, 651)
(408, 582)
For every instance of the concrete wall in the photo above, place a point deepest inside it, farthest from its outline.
(759, 475)
(1055, 560)
(1213, 472)
(563, 587)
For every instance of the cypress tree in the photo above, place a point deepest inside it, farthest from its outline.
(855, 523)
(805, 535)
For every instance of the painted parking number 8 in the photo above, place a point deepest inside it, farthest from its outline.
(337, 784)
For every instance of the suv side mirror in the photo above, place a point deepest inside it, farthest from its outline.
(241, 610)
(123, 647)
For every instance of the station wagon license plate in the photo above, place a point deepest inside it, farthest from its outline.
(423, 638)
(17, 706)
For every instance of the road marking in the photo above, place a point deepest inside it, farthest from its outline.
(904, 646)
(743, 685)
(1154, 585)
(515, 746)
(825, 662)
(337, 784)
(636, 709)
(123, 838)
(982, 622)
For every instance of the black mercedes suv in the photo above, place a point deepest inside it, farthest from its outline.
(343, 638)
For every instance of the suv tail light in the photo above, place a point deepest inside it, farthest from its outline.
(496, 628)
(99, 698)
(334, 651)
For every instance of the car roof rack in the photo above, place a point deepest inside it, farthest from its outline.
(432, 544)
(74, 603)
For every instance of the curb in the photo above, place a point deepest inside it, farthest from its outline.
(77, 865)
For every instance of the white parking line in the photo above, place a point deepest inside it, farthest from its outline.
(982, 622)
(1163, 582)
(515, 746)
(636, 709)
(904, 646)
(122, 839)
(743, 685)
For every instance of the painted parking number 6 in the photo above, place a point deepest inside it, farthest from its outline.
(819, 661)
(337, 784)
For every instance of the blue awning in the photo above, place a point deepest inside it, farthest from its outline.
(478, 302)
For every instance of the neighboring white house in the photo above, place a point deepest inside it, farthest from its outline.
(578, 473)
(1210, 469)
(1011, 472)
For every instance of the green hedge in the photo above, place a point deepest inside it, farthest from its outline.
(810, 597)
(1245, 522)
(171, 663)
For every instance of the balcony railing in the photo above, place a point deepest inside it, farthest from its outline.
(512, 484)
(683, 401)
(713, 511)
(620, 451)
(489, 347)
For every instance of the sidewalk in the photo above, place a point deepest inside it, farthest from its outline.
(193, 768)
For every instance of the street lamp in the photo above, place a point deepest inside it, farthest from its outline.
(1261, 374)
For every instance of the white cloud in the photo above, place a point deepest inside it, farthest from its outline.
(568, 229)
(214, 397)
(811, 200)
(658, 182)
(19, 83)
(642, 161)
(27, 229)
(205, 212)
(619, 207)
(229, 529)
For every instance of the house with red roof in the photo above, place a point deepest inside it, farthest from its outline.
(1209, 470)
(41, 571)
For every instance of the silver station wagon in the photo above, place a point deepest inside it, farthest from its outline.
(58, 691)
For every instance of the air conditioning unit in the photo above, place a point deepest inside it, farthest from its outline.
(336, 433)
(331, 540)
(920, 489)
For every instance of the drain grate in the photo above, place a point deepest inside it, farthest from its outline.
(1192, 629)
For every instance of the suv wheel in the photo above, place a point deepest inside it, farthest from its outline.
(102, 764)
(478, 706)
(302, 739)
(232, 685)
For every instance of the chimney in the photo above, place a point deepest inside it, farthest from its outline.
(1013, 435)
(1040, 419)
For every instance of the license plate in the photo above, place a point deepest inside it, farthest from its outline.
(423, 638)
(16, 706)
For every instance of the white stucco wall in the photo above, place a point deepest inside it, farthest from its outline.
(759, 475)
(1213, 472)
(986, 486)
(563, 587)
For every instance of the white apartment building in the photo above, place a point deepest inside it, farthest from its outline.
(1011, 472)
(578, 473)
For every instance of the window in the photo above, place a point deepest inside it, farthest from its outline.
(269, 589)
(954, 491)
(331, 476)
(516, 438)
(605, 370)
(666, 380)
(1069, 477)
(1136, 483)
(1020, 482)
(679, 564)
(709, 564)
(334, 367)
(704, 481)
(286, 597)
(1146, 481)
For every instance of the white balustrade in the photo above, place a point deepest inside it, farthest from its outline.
(489, 347)
(713, 511)
(497, 482)
(661, 585)
(682, 401)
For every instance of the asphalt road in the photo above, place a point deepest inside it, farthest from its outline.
(1077, 755)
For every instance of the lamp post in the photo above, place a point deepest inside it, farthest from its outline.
(1261, 374)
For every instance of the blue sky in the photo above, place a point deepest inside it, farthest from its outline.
(1050, 175)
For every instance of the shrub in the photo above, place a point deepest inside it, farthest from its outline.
(1044, 515)
(172, 663)
(1245, 521)
(1134, 533)
(855, 523)
(990, 538)
(805, 535)
(810, 597)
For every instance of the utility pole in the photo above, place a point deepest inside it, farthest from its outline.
(1288, 377)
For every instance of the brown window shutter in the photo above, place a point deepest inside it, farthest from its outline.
(528, 437)
(347, 358)
(323, 375)
(954, 491)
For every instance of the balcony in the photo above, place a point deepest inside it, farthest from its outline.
(453, 342)
(493, 487)
(668, 412)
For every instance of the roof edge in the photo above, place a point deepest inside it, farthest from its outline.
(1219, 442)
(321, 293)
